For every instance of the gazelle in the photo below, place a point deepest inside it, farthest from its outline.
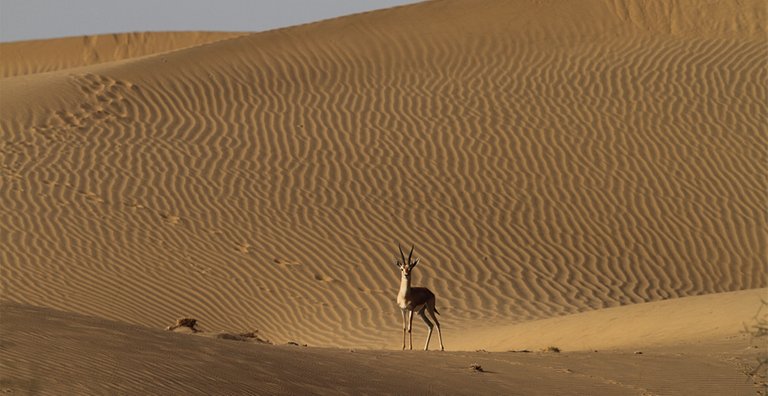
(415, 299)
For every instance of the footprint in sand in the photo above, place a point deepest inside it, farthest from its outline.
(91, 196)
(288, 262)
(368, 291)
(134, 205)
(171, 219)
(324, 278)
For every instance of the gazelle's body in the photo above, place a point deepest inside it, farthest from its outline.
(415, 299)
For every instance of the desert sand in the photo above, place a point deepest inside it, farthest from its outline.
(589, 175)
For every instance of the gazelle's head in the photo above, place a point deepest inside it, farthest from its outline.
(406, 265)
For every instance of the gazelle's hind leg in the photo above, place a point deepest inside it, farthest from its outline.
(429, 324)
(431, 310)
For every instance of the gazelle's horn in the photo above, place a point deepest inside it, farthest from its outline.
(402, 255)
(410, 254)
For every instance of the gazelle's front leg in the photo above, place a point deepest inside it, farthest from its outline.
(410, 327)
(405, 323)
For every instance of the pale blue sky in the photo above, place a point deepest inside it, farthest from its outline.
(37, 19)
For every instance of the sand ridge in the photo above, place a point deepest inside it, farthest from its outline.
(546, 159)
(40, 56)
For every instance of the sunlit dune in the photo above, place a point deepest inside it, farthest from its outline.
(589, 175)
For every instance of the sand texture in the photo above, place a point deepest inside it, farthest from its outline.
(595, 164)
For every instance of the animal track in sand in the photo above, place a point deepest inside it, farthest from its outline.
(323, 278)
(288, 262)
(104, 101)
(91, 196)
(171, 218)
(370, 291)
(105, 96)
(135, 205)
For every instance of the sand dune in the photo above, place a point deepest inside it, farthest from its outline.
(85, 355)
(662, 324)
(546, 158)
(39, 56)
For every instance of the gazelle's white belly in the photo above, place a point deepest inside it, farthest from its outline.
(404, 304)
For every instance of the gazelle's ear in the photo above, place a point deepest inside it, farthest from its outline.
(415, 262)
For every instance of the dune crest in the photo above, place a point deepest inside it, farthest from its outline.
(39, 56)
(546, 158)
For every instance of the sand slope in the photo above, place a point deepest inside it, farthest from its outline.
(547, 158)
(87, 355)
(699, 320)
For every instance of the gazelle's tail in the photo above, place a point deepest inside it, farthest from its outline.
(436, 311)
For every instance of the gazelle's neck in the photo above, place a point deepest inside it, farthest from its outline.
(405, 285)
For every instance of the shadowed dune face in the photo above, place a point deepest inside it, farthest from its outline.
(545, 158)
(120, 358)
